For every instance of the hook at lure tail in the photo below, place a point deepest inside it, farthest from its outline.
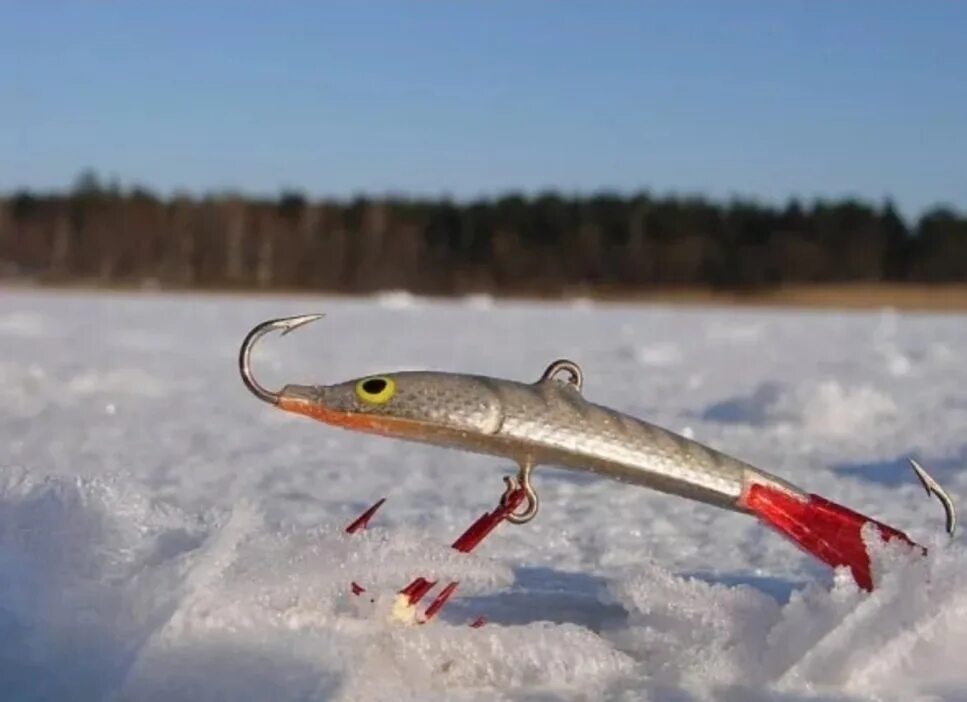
(550, 422)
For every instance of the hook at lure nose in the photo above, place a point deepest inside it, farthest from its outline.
(286, 325)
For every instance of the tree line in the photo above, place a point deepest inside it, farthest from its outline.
(541, 244)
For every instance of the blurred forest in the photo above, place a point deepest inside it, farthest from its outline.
(545, 244)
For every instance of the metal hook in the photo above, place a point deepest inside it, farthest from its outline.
(933, 487)
(286, 324)
(522, 481)
(563, 365)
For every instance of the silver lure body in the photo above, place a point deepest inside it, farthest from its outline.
(544, 423)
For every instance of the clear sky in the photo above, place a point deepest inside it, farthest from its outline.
(763, 99)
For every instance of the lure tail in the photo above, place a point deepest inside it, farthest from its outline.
(833, 533)
(830, 532)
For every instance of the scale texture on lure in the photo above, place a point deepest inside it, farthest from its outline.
(549, 422)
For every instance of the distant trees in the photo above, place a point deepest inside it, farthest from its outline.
(542, 244)
(939, 251)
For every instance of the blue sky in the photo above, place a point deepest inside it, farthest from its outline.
(760, 99)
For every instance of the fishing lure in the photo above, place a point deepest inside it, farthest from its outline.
(549, 422)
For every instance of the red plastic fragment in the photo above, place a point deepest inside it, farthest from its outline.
(417, 589)
(479, 530)
(363, 520)
(830, 532)
(439, 601)
(465, 543)
(478, 622)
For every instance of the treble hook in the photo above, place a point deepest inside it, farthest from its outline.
(286, 324)
(933, 487)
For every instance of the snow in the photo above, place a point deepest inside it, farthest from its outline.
(164, 535)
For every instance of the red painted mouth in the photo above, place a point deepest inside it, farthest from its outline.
(356, 421)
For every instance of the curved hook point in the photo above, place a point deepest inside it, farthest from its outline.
(286, 324)
(934, 488)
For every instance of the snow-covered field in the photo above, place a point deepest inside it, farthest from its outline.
(164, 535)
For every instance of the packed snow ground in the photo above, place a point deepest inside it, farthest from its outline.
(164, 535)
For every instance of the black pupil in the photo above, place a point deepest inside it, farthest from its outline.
(374, 386)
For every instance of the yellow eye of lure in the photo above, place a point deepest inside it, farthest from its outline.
(375, 391)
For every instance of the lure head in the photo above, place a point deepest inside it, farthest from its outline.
(416, 405)
(422, 406)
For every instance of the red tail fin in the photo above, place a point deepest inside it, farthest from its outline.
(828, 531)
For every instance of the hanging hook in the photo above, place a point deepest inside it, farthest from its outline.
(933, 487)
(522, 481)
(286, 324)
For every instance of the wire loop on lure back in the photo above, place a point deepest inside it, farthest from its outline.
(286, 325)
(573, 370)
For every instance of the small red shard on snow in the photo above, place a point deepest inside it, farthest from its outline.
(417, 589)
(363, 520)
(466, 542)
(478, 622)
(439, 601)
(830, 532)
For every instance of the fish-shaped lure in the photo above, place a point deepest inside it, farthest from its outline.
(549, 422)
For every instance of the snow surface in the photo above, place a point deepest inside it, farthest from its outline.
(164, 535)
